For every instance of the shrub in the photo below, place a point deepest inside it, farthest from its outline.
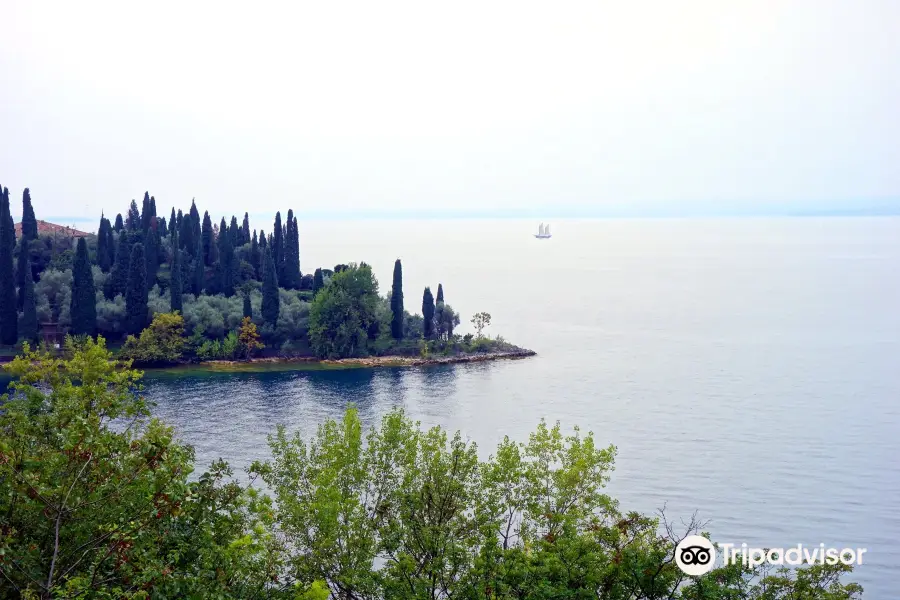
(162, 342)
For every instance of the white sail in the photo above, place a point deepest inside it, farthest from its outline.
(547, 230)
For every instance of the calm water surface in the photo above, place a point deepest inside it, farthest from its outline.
(748, 369)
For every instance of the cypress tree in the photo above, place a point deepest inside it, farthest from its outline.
(278, 247)
(136, 294)
(146, 213)
(440, 295)
(23, 268)
(151, 253)
(175, 278)
(110, 244)
(195, 226)
(9, 326)
(119, 226)
(428, 314)
(104, 259)
(28, 327)
(10, 224)
(225, 264)
(186, 235)
(198, 275)
(118, 278)
(318, 281)
(29, 233)
(270, 300)
(254, 255)
(84, 299)
(207, 235)
(245, 229)
(161, 227)
(152, 206)
(248, 308)
(291, 275)
(234, 232)
(396, 301)
(29, 222)
(133, 218)
(173, 222)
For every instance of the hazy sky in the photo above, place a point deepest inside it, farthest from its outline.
(545, 109)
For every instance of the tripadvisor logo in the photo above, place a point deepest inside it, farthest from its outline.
(695, 555)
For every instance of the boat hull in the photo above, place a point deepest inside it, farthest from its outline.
(541, 237)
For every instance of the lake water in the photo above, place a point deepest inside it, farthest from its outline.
(748, 369)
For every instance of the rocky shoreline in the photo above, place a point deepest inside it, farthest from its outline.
(383, 361)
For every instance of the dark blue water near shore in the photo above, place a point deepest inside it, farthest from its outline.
(746, 369)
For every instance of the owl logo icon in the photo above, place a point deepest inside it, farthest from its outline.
(695, 555)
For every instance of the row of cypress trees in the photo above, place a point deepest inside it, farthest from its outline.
(130, 250)
(21, 276)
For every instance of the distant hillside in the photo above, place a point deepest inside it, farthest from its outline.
(46, 228)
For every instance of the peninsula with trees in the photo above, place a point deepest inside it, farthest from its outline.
(185, 288)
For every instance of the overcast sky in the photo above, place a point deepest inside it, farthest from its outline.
(385, 108)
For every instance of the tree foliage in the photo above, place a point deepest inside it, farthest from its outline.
(343, 315)
(397, 312)
(136, 293)
(9, 326)
(427, 314)
(270, 300)
(84, 297)
(162, 342)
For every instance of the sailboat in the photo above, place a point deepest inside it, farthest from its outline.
(543, 232)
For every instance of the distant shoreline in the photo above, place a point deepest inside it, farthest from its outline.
(272, 363)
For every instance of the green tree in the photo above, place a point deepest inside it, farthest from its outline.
(176, 277)
(440, 294)
(248, 307)
(84, 298)
(29, 221)
(146, 213)
(195, 226)
(291, 268)
(162, 342)
(270, 300)
(104, 255)
(445, 320)
(25, 260)
(318, 281)
(278, 247)
(119, 226)
(133, 218)
(245, 230)
(94, 510)
(173, 223)
(480, 321)
(198, 272)
(427, 314)
(234, 232)
(225, 267)
(28, 325)
(255, 255)
(118, 278)
(136, 292)
(8, 301)
(151, 252)
(343, 316)
(397, 313)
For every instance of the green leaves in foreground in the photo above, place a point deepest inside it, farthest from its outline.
(96, 501)
(404, 513)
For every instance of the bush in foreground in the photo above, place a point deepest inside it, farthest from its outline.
(96, 502)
